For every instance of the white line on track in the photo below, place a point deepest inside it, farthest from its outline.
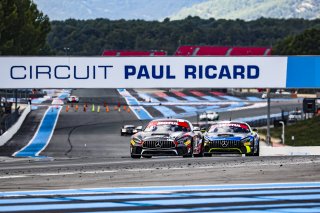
(137, 170)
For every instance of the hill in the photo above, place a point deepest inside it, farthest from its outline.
(112, 9)
(251, 9)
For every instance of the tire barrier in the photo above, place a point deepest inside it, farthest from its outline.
(98, 108)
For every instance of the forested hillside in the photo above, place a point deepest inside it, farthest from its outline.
(91, 37)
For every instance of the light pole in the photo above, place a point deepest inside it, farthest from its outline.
(268, 116)
(282, 135)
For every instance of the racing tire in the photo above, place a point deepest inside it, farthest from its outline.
(207, 155)
(254, 154)
(190, 154)
(258, 151)
(135, 156)
(200, 154)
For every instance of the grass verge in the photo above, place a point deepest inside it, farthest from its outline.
(306, 133)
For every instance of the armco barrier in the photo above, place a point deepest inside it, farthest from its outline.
(5, 137)
(289, 150)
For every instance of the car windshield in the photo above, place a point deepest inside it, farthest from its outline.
(208, 113)
(229, 128)
(295, 113)
(165, 126)
(129, 127)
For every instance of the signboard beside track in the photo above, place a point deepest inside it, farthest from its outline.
(160, 72)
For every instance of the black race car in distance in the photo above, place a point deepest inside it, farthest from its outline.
(127, 130)
(231, 137)
(167, 137)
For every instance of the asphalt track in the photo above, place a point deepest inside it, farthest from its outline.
(87, 151)
(287, 197)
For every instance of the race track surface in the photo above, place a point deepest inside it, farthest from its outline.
(278, 197)
(86, 150)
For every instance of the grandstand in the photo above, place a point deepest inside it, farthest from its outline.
(185, 50)
(190, 50)
(222, 51)
(133, 53)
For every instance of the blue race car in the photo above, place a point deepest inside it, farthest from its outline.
(231, 137)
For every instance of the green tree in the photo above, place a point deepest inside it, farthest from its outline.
(23, 28)
(307, 43)
(91, 37)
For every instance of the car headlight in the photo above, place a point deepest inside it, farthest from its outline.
(247, 141)
(184, 140)
(136, 141)
(206, 139)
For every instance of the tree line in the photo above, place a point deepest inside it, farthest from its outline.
(91, 37)
(24, 30)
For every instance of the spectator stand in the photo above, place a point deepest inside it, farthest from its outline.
(188, 50)
(126, 53)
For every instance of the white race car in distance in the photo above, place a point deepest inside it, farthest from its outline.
(73, 99)
(209, 116)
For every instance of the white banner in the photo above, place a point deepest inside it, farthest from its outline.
(143, 72)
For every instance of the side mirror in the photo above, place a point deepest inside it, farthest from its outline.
(255, 130)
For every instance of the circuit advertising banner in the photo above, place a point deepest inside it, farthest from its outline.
(159, 72)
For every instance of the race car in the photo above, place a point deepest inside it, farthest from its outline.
(137, 129)
(128, 130)
(209, 116)
(295, 116)
(167, 137)
(73, 99)
(231, 137)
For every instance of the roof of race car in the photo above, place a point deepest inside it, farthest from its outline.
(169, 121)
(230, 122)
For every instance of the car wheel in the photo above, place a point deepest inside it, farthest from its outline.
(254, 154)
(189, 154)
(207, 155)
(135, 156)
(258, 151)
(200, 154)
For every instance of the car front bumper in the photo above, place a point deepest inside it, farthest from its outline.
(179, 150)
(211, 148)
